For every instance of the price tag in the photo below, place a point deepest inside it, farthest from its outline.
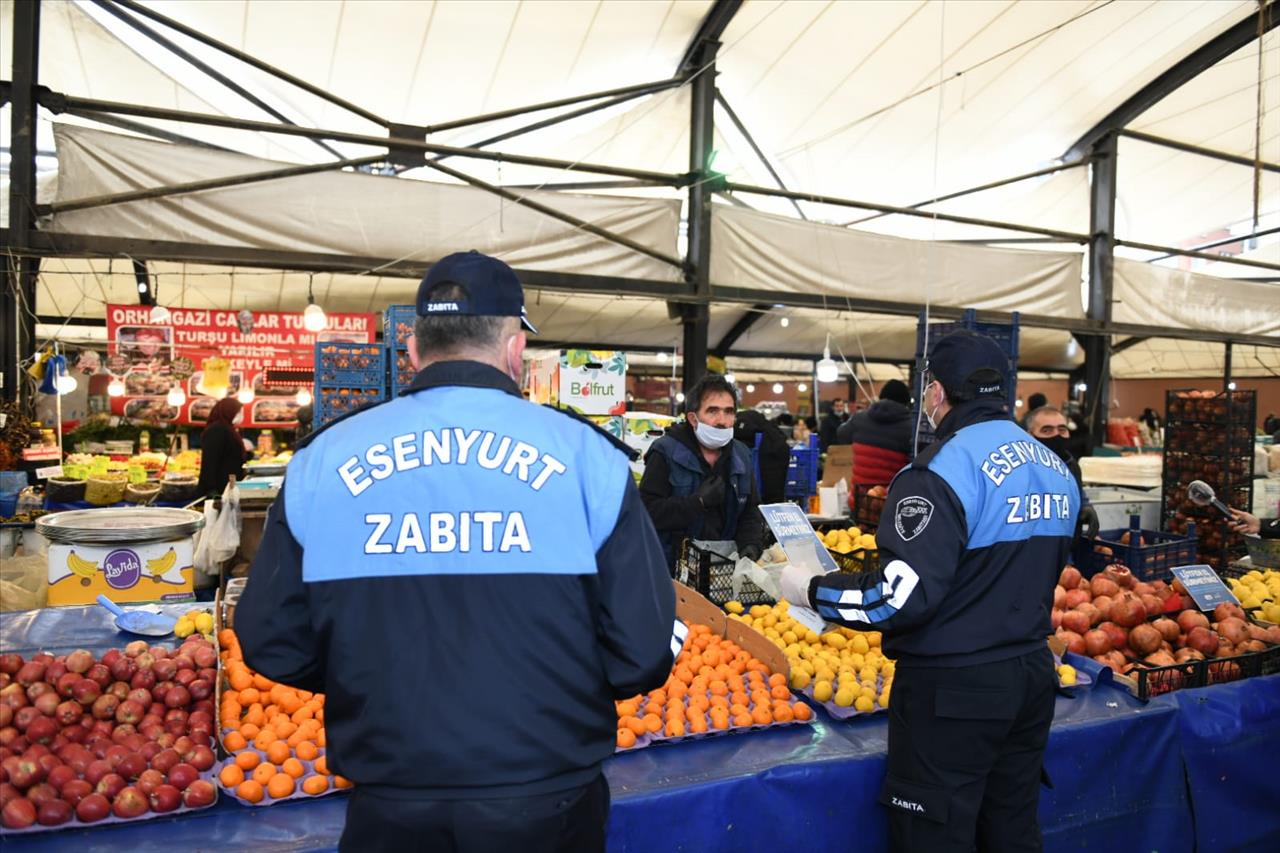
(137, 474)
(797, 537)
(51, 471)
(1204, 586)
(98, 466)
(75, 471)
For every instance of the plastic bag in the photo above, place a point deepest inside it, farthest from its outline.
(221, 537)
(24, 582)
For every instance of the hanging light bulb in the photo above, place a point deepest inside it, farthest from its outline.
(751, 389)
(176, 396)
(731, 379)
(66, 383)
(160, 315)
(777, 387)
(303, 397)
(827, 369)
(115, 388)
(784, 322)
(679, 396)
(245, 396)
(662, 355)
(313, 319)
(1231, 386)
(802, 387)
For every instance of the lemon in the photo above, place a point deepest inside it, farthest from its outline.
(1067, 675)
(733, 606)
(204, 622)
(844, 698)
(790, 637)
(799, 679)
(864, 705)
(836, 641)
(860, 645)
(822, 690)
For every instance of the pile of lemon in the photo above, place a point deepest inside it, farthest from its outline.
(843, 666)
(1259, 593)
(1067, 675)
(194, 621)
(848, 540)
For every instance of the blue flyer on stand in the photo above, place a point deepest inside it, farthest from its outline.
(796, 536)
(1204, 586)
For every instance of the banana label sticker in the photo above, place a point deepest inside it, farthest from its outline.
(152, 571)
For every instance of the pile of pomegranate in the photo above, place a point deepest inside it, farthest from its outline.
(83, 738)
(1120, 621)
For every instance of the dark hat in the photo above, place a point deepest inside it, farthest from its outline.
(897, 391)
(492, 289)
(1036, 400)
(969, 366)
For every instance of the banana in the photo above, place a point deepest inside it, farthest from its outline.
(160, 565)
(80, 566)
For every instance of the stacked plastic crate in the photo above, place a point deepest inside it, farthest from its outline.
(1209, 437)
(397, 327)
(349, 376)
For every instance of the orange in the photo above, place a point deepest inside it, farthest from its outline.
(652, 722)
(302, 714)
(627, 709)
(699, 702)
(780, 691)
(284, 728)
(294, 768)
(305, 695)
(718, 688)
(234, 742)
(255, 715)
(239, 679)
(782, 713)
(675, 728)
(738, 708)
(249, 730)
(262, 682)
(339, 782)
(761, 716)
(658, 697)
(289, 702)
(231, 776)
(226, 638)
(265, 738)
(321, 766)
(626, 740)
(742, 720)
(777, 680)
(761, 697)
(720, 720)
(739, 697)
(277, 752)
(249, 695)
(315, 785)
(697, 724)
(801, 711)
(720, 702)
(320, 738)
(280, 786)
(247, 760)
(307, 751)
(264, 773)
(249, 790)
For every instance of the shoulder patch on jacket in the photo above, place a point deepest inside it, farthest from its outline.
(310, 437)
(629, 451)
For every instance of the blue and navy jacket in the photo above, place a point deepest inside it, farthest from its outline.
(973, 536)
(471, 580)
(675, 468)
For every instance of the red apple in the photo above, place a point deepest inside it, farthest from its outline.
(165, 798)
(18, 814)
(93, 808)
(100, 674)
(75, 791)
(182, 775)
(42, 793)
(202, 758)
(149, 780)
(166, 760)
(79, 661)
(129, 803)
(135, 648)
(97, 769)
(110, 785)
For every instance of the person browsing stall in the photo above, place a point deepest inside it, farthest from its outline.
(222, 450)
(974, 534)
(699, 482)
(1049, 426)
(881, 436)
(462, 556)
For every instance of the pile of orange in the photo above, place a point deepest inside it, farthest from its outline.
(285, 724)
(714, 686)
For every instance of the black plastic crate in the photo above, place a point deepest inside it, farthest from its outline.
(852, 562)
(1151, 560)
(712, 577)
(1155, 680)
(866, 506)
(339, 363)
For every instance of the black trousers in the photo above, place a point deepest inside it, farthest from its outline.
(966, 755)
(570, 821)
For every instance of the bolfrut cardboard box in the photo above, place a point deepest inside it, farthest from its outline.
(591, 382)
(126, 574)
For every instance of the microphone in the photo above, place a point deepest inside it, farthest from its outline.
(1201, 494)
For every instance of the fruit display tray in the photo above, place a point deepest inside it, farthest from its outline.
(841, 712)
(267, 800)
(659, 738)
(111, 820)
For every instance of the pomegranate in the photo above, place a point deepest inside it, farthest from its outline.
(1094, 614)
(1073, 641)
(1186, 654)
(1232, 628)
(1103, 585)
(1168, 629)
(1070, 578)
(1103, 603)
(1189, 619)
(1144, 639)
(1076, 597)
(1119, 636)
(1226, 610)
(1076, 621)
(1097, 643)
(1202, 640)
(1059, 597)
(1128, 611)
(1055, 621)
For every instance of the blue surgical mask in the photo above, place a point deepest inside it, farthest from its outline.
(713, 437)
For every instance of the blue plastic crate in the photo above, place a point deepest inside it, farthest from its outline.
(397, 325)
(802, 471)
(343, 364)
(1151, 560)
(333, 402)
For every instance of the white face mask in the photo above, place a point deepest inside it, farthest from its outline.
(713, 437)
(931, 412)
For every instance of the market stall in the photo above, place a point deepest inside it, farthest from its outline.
(765, 789)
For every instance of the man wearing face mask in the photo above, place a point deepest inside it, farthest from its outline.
(699, 482)
(1049, 426)
(974, 534)
(459, 547)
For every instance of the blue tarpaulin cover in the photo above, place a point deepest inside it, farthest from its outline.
(1120, 771)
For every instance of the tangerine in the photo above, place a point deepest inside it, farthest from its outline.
(652, 722)
(231, 776)
(264, 773)
(249, 695)
(780, 691)
(321, 766)
(742, 720)
(277, 751)
(280, 786)
(315, 785)
(294, 768)
(265, 738)
(777, 680)
(234, 742)
(626, 739)
(627, 709)
(307, 751)
(635, 724)
(249, 790)
(262, 682)
(801, 711)
(239, 679)
(782, 713)
(675, 728)
(761, 715)
(320, 738)
(249, 730)
(697, 724)
(339, 782)
(284, 728)
(247, 760)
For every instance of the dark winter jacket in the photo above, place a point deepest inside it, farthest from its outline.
(774, 455)
(881, 439)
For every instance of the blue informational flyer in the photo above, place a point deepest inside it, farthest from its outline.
(1204, 586)
(797, 537)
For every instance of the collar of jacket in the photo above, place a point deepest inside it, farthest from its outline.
(970, 413)
(471, 374)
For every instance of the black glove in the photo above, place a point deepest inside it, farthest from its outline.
(711, 492)
(751, 552)
(1088, 522)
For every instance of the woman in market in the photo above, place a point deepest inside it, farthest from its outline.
(221, 446)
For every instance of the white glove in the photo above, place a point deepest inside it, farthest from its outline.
(795, 584)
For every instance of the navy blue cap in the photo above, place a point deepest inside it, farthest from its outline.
(969, 366)
(491, 286)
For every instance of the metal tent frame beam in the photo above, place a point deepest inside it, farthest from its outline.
(1211, 153)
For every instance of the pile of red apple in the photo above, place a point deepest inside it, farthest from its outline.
(1109, 618)
(82, 738)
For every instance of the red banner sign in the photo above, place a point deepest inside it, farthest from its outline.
(151, 358)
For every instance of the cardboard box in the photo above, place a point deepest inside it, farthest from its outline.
(126, 574)
(838, 466)
(612, 424)
(591, 382)
(642, 430)
(694, 608)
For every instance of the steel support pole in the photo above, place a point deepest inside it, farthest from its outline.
(696, 318)
(1226, 366)
(1102, 243)
(17, 326)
